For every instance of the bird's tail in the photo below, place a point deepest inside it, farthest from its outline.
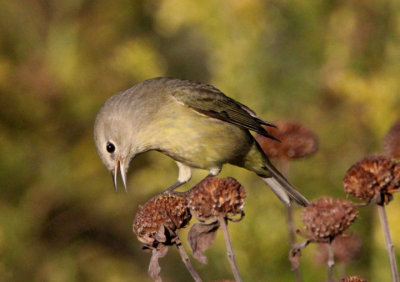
(256, 161)
(283, 192)
(282, 188)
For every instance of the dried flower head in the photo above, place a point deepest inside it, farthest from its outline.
(326, 218)
(157, 221)
(374, 178)
(155, 226)
(347, 248)
(353, 278)
(297, 141)
(214, 199)
(214, 196)
(392, 141)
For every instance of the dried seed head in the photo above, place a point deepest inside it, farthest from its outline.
(373, 178)
(158, 219)
(347, 248)
(353, 278)
(391, 142)
(326, 218)
(297, 141)
(216, 196)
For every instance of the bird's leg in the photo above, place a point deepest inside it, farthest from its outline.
(185, 173)
(213, 172)
(174, 186)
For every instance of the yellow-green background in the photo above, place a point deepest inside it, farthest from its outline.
(333, 65)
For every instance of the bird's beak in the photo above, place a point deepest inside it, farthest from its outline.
(123, 175)
(114, 173)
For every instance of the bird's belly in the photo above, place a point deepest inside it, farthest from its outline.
(210, 150)
(201, 142)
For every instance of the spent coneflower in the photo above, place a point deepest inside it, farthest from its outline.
(391, 143)
(375, 179)
(353, 278)
(155, 225)
(213, 202)
(214, 197)
(325, 219)
(296, 141)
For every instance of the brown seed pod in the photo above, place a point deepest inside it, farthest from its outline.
(374, 178)
(326, 218)
(353, 278)
(158, 219)
(347, 248)
(297, 141)
(214, 196)
(391, 143)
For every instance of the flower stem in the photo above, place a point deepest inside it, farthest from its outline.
(289, 223)
(289, 220)
(389, 243)
(186, 261)
(331, 260)
(231, 256)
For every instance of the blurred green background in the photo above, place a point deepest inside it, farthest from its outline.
(333, 65)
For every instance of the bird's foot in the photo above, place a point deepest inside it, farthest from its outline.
(173, 187)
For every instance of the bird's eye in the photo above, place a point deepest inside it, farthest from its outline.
(110, 147)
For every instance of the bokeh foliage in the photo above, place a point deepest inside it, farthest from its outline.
(333, 65)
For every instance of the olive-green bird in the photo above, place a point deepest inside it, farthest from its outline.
(193, 123)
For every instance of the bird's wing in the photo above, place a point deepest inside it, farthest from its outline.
(209, 101)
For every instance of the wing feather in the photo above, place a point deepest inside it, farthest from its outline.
(210, 101)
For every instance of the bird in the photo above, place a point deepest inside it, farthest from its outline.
(192, 122)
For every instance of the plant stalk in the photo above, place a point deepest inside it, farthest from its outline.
(186, 261)
(289, 219)
(331, 260)
(389, 243)
(229, 249)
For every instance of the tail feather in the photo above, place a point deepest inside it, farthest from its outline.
(282, 188)
(258, 162)
(277, 189)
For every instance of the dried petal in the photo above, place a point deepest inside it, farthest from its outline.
(157, 221)
(294, 258)
(295, 254)
(200, 237)
(353, 278)
(297, 141)
(326, 218)
(154, 267)
(215, 196)
(374, 178)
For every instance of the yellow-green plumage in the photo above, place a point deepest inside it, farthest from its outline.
(193, 123)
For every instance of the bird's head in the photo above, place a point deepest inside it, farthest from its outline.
(113, 143)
